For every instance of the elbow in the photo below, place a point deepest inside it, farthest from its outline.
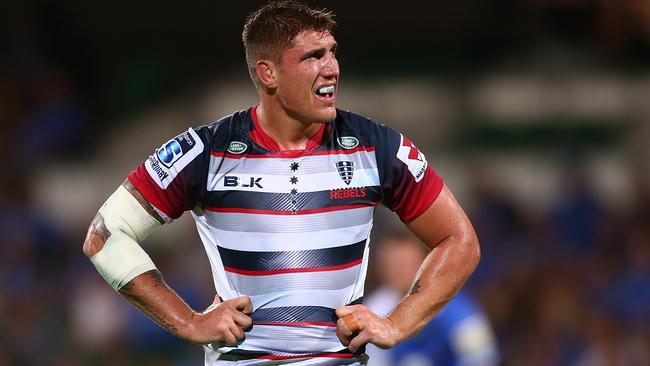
(91, 245)
(95, 237)
(473, 250)
(476, 252)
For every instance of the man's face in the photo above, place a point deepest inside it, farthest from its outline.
(307, 77)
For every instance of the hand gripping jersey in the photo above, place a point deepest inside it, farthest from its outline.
(289, 229)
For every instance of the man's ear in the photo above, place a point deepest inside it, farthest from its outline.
(266, 72)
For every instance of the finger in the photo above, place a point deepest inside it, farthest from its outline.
(243, 304)
(242, 320)
(343, 332)
(346, 310)
(237, 332)
(229, 339)
(357, 342)
(343, 327)
(351, 322)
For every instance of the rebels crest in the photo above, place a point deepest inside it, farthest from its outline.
(346, 170)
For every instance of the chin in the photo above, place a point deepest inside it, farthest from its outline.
(327, 115)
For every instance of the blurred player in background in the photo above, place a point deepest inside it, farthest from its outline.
(459, 335)
(283, 196)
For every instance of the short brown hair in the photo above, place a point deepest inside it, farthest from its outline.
(271, 29)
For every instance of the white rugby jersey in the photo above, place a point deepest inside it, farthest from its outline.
(290, 229)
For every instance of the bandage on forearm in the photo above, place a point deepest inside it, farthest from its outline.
(121, 259)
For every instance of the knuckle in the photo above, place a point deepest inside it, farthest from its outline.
(222, 329)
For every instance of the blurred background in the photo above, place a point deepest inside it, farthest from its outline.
(535, 112)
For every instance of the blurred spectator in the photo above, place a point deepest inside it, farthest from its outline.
(459, 335)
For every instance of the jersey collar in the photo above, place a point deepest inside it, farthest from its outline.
(267, 142)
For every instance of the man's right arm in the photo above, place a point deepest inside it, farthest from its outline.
(112, 243)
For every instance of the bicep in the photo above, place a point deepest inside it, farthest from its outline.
(444, 219)
(126, 212)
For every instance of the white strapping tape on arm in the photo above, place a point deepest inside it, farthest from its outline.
(122, 259)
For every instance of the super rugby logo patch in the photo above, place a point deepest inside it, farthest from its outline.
(412, 157)
(346, 171)
(174, 155)
(173, 149)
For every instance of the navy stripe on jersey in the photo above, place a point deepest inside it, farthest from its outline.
(241, 354)
(266, 263)
(300, 201)
(298, 315)
(295, 316)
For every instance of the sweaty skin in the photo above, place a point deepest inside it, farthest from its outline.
(454, 255)
(291, 112)
(222, 323)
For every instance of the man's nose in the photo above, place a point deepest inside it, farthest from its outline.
(330, 66)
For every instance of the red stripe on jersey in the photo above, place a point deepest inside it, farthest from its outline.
(293, 153)
(297, 324)
(312, 355)
(292, 270)
(284, 212)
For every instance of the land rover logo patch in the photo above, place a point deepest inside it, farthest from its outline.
(346, 170)
(348, 142)
(237, 147)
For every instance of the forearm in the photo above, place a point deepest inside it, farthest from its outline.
(441, 276)
(151, 295)
(112, 244)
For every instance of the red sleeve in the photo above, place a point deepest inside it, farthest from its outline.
(413, 198)
(409, 183)
(170, 179)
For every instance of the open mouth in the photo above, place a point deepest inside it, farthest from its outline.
(325, 91)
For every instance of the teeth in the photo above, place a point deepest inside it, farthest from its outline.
(326, 89)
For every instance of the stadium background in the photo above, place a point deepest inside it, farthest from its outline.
(536, 113)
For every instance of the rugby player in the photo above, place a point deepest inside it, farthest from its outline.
(283, 195)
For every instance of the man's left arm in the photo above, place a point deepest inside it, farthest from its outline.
(454, 254)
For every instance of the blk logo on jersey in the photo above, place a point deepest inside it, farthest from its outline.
(235, 181)
(413, 158)
(346, 170)
(174, 149)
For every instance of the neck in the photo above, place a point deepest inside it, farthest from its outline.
(290, 133)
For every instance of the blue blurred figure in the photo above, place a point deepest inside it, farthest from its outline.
(459, 336)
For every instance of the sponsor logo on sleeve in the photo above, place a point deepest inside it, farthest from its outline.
(348, 142)
(174, 155)
(412, 157)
